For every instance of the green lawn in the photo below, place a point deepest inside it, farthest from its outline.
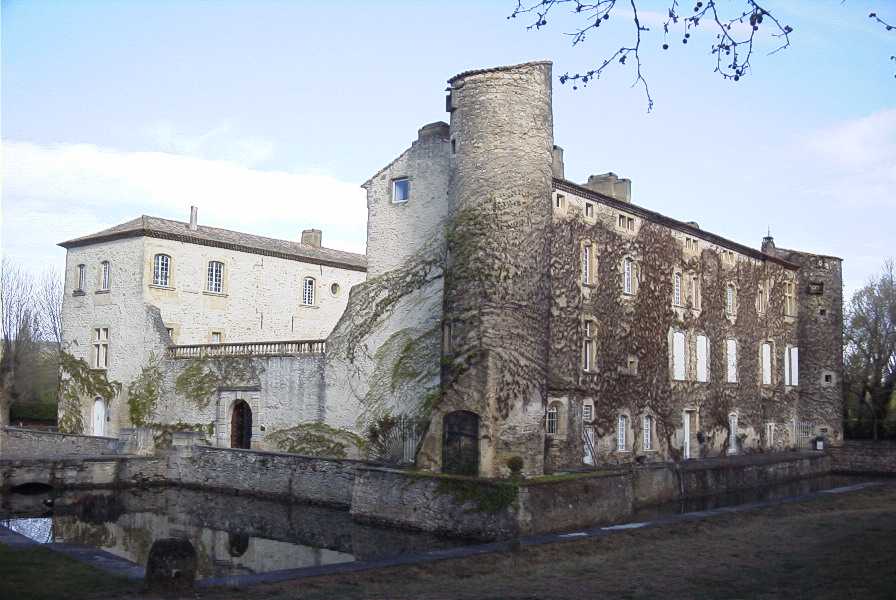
(36, 573)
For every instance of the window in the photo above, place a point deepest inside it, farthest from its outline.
(170, 331)
(82, 271)
(101, 348)
(729, 299)
(731, 359)
(732, 433)
(216, 337)
(702, 358)
(766, 363)
(334, 289)
(553, 419)
(621, 427)
(589, 210)
(308, 291)
(694, 291)
(588, 412)
(690, 244)
(816, 288)
(588, 349)
(770, 435)
(105, 275)
(401, 190)
(761, 301)
(647, 432)
(560, 201)
(586, 264)
(621, 221)
(215, 277)
(678, 356)
(676, 289)
(791, 365)
(628, 276)
(631, 365)
(161, 270)
(630, 224)
(789, 299)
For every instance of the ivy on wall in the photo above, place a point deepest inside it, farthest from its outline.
(79, 381)
(203, 376)
(317, 439)
(144, 392)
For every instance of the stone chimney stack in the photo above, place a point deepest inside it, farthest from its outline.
(557, 163)
(609, 184)
(194, 218)
(312, 237)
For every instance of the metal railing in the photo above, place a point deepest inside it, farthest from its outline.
(287, 348)
(804, 433)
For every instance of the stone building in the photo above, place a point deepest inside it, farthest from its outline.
(531, 322)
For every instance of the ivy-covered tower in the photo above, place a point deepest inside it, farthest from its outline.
(497, 282)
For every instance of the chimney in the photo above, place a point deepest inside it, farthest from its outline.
(312, 237)
(610, 185)
(557, 164)
(194, 215)
(437, 130)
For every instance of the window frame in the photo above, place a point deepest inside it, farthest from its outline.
(628, 276)
(105, 276)
(730, 300)
(622, 433)
(309, 292)
(587, 263)
(161, 264)
(100, 348)
(730, 365)
(213, 277)
(703, 366)
(552, 419)
(82, 276)
(766, 363)
(676, 289)
(682, 362)
(396, 182)
(647, 433)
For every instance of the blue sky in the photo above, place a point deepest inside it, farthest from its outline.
(268, 116)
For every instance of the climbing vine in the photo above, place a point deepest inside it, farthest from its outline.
(80, 381)
(317, 439)
(203, 376)
(144, 392)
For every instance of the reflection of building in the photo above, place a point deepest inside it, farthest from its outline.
(534, 322)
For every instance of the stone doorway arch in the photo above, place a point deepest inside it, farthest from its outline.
(241, 425)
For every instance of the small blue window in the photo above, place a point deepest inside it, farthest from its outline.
(401, 190)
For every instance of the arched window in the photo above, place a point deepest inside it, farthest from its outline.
(308, 285)
(215, 277)
(161, 270)
(621, 433)
(553, 419)
(729, 299)
(105, 275)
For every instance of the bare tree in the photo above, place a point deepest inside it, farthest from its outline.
(871, 345)
(19, 327)
(736, 26)
(49, 303)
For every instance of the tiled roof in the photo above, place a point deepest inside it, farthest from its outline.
(156, 227)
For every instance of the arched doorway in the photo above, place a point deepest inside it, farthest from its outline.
(99, 416)
(241, 425)
(460, 443)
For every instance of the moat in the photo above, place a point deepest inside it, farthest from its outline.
(238, 535)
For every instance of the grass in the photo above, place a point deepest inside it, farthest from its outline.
(36, 573)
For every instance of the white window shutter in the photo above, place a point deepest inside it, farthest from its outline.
(787, 356)
(766, 363)
(678, 365)
(795, 366)
(731, 352)
(702, 358)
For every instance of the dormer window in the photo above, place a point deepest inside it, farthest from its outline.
(401, 190)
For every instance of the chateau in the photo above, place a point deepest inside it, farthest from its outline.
(527, 321)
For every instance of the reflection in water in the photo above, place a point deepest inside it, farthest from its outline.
(237, 535)
(232, 535)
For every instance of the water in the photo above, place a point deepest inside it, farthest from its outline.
(232, 535)
(239, 535)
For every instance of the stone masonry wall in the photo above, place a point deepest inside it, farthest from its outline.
(862, 456)
(497, 286)
(28, 443)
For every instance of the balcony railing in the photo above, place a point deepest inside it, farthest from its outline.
(288, 348)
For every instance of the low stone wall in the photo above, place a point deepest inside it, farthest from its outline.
(270, 474)
(483, 509)
(864, 457)
(94, 472)
(30, 443)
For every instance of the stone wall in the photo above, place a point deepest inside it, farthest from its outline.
(864, 457)
(483, 509)
(93, 472)
(28, 443)
(276, 475)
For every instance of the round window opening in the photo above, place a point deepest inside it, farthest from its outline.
(334, 289)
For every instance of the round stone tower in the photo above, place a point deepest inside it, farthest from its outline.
(497, 280)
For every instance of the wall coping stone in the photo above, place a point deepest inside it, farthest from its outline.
(58, 433)
(355, 461)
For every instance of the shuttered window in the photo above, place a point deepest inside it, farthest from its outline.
(702, 358)
(731, 358)
(678, 356)
(766, 363)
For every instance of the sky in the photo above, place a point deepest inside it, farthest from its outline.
(268, 115)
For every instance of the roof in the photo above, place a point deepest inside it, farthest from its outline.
(696, 232)
(155, 227)
(496, 69)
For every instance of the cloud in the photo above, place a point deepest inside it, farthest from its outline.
(59, 191)
(219, 143)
